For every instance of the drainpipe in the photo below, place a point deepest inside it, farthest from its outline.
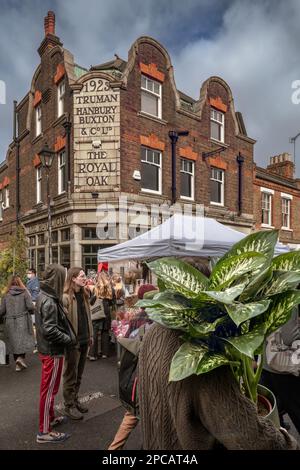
(174, 137)
(240, 160)
(68, 126)
(17, 143)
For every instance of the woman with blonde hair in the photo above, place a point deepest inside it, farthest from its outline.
(103, 291)
(17, 307)
(76, 303)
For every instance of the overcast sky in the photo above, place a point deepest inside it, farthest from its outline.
(254, 46)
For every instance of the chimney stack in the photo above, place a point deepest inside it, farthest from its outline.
(282, 165)
(49, 23)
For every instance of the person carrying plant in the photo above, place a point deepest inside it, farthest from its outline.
(197, 388)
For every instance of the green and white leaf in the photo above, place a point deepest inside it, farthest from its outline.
(287, 262)
(173, 318)
(262, 242)
(204, 328)
(165, 300)
(280, 310)
(257, 283)
(228, 270)
(281, 282)
(186, 360)
(212, 360)
(179, 276)
(242, 312)
(226, 297)
(247, 344)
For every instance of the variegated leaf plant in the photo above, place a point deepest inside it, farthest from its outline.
(226, 319)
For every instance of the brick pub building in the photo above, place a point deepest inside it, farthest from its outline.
(111, 128)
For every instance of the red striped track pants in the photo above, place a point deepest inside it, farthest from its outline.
(51, 375)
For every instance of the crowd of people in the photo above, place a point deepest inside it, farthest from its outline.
(70, 318)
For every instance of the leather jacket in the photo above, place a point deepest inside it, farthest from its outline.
(53, 330)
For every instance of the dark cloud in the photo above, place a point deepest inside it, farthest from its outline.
(252, 45)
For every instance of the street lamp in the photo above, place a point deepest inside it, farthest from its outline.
(173, 135)
(46, 155)
(293, 141)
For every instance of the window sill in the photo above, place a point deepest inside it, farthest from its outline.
(149, 191)
(185, 198)
(60, 120)
(37, 139)
(218, 204)
(152, 118)
(60, 196)
(267, 226)
(286, 229)
(215, 141)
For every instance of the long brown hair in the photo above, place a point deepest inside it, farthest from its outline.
(14, 281)
(103, 287)
(69, 284)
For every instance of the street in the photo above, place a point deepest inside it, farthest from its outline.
(19, 400)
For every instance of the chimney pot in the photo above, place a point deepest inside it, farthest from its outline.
(49, 23)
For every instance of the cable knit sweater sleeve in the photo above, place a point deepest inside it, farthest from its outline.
(199, 412)
(232, 419)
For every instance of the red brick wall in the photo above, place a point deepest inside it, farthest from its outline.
(284, 235)
(133, 125)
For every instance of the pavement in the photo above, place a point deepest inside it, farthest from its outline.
(19, 400)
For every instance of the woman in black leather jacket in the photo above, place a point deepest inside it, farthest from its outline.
(54, 334)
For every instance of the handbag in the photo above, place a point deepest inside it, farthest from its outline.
(97, 310)
(281, 358)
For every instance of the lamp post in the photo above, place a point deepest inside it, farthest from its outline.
(173, 135)
(293, 141)
(46, 155)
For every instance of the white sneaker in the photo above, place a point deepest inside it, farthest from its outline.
(18, 368)
(20, 361)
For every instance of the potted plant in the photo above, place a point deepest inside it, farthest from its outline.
(226, 319)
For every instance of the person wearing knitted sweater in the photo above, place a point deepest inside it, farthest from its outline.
(201, 412)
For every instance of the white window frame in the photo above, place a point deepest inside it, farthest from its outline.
(213, 118)
(38, 120)
(61, 166)
(221, 204)
(39, 177)
(270, 193)
(147, 89)
(145, 190)
(61, 91)
(6, 198)
(288, 198)
(1, 206)
(192, 174)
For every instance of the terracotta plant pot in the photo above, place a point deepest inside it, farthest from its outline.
(267, 398)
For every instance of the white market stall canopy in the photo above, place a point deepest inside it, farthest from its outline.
(180, 235)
